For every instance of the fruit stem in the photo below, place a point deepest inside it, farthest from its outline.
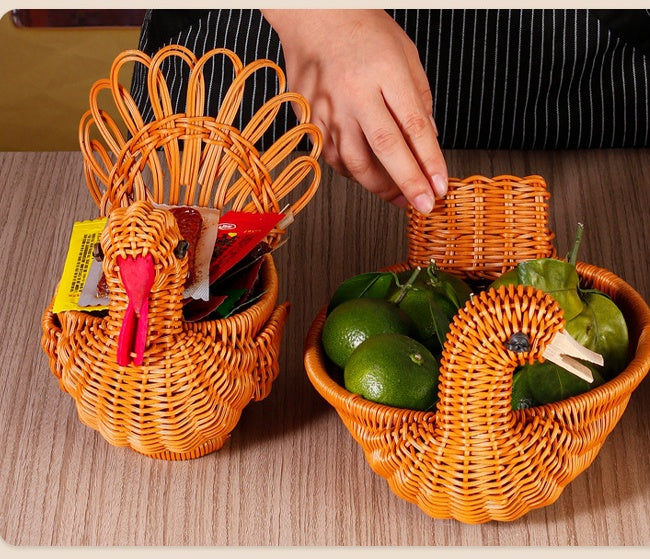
(572, 257)
(432, 272)
(404, 289)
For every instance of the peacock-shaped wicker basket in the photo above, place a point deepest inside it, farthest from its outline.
(193, 379)
(473, 458)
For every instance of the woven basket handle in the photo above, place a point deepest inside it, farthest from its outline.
(483, 226)
(475, 383)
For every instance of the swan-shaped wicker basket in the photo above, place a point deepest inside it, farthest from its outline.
(194, 378)
(473, 458)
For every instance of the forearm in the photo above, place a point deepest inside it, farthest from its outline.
(315, 24)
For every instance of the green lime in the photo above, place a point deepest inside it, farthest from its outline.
(431, 299)
(431, 315)
(543, 383)
(395, 370)
(441, 283)
(355, 320)
(551, 383)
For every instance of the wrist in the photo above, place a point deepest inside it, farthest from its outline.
(308, 22)
(282, 20)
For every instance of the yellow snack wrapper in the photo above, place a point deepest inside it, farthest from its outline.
(77, 265)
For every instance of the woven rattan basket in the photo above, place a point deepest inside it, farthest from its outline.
(195, 378)
(474, 458)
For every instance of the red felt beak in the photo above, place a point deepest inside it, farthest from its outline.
(137, 276)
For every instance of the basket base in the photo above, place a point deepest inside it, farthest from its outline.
(141, 408)
(198, 452)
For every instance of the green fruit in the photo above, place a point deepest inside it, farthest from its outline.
(372, 285)
(431, 315)
(395, 370)
(601, 327)
(592, 318)
(440, 283)
(354, 321)
(545, 383)
(431, 299)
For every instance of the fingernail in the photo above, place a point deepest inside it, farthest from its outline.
(424, 203)
(439, 185)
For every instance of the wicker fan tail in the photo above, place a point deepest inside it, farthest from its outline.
(191, 158)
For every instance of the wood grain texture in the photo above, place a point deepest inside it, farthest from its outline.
(291, 473)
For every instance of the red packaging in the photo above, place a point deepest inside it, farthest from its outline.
(238, 234)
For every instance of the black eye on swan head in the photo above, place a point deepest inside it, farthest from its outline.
(518, 342)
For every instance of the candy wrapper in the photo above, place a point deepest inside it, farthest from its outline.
(236, 259)
(78, 261)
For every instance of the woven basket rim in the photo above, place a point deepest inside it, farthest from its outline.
(480, 178)
(263, 306)
(622, 384)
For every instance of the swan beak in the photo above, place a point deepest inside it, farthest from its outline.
(564, 351)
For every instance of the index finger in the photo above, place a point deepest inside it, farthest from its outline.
(415, 120)
(389, 143)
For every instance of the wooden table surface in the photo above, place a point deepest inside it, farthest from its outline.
(291, 474)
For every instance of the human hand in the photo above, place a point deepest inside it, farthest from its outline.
(370, 96)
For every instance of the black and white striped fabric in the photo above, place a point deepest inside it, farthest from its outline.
(501, 79)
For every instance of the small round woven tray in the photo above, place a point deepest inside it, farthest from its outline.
(195, 378)
(474, 458)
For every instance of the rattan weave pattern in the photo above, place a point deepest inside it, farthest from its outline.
(483, 226)
(195, 378)
(193, 158)
(473, 458)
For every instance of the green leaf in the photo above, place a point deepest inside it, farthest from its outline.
(548, 382)
(371, 285)
(522, 396)
(557, 278)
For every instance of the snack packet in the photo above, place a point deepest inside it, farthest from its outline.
(239, 233)
(77, 265)
(198, 286)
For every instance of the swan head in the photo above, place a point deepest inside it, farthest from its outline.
(514, 325)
